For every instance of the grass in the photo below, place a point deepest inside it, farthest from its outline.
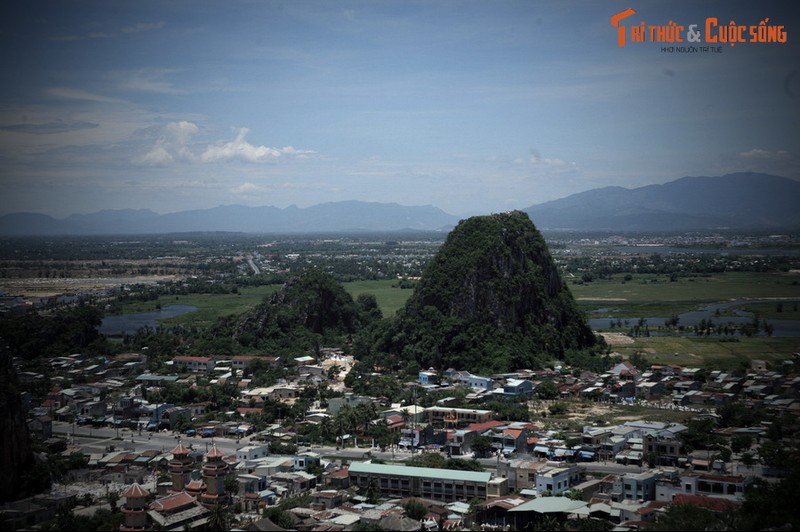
(654, 295)
(780, 310)
(713, 352)
(210, 307)
(641, 298)
(389, 295)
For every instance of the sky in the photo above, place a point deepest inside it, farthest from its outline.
(471, 106)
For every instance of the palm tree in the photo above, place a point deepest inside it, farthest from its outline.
(218, 518)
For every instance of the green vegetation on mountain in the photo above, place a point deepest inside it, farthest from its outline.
(310, 310)
(491, 299)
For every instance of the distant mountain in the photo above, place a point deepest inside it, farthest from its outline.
(735, 201)
(344, 216)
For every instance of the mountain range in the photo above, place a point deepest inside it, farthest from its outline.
(741, 201)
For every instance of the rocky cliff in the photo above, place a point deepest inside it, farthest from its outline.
(491, 299)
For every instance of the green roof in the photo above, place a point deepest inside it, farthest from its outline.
(422, 472)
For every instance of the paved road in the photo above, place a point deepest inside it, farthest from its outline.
(98, 440)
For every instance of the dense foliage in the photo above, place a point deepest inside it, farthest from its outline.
(491, 299)
(59, 333)
(310, 310)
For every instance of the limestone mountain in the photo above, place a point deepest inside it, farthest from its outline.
(491, 299)
(310, 309)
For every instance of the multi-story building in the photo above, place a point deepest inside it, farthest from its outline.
(456, 417)
(635, 486)
(404, 481)
(194, 364)
(557, 479)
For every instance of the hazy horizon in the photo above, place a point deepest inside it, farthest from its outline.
(469, 106)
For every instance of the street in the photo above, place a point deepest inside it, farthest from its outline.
(98, 440)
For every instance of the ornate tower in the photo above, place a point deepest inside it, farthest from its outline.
(135, 509)
(180, 467)
(214, 471)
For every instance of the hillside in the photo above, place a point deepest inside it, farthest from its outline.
(491, 299)
(734, 201)
(310, 309)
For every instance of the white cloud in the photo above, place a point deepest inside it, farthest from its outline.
(64, 93)
(144, 80)
(157, 156)
(766, 155)
(247, 188)
(240, 149)
(143, 26)
(172, 145)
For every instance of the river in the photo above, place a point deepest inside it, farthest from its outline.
(130, 323)
(694, 317)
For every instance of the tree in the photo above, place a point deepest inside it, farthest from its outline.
(415, 509)
(112, 497)
(219, 518)
(231, 484)
(691, 518)
(546, 390)
(481, 445)
(741, 442)
(747, 459)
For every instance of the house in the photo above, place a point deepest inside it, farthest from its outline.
(509, 440)
(417, 436)
(635, 486)
(456, 417)
(516, 388)
(474, 381)
(649, 390)
(251, 452)
(337, 403)
(521, 474)
(459, 442)
(245, 362)
(625, 371)
(193, 364)
(428, 377)
(666, 451)
(557, 478)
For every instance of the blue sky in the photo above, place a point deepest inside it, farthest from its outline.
(471, 106)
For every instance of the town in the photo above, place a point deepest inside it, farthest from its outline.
(143, 433)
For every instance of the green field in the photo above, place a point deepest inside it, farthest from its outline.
(209, 306)
(212, 306)
(712, 352)
(389, 295)
(632, 299)
(654, 295)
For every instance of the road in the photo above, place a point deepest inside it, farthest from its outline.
(98, 440)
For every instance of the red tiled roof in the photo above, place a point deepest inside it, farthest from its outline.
(486, 425)
(195, 485)
(135, 491)
(215, 453)
(172, 502)
(710, 503)
(180, 449)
